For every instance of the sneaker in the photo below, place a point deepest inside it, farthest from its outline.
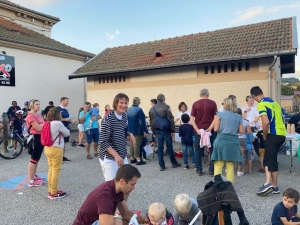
(65, 159)
(265, 189)
(133, 161)
(81, 146)
(195, 167)
(211, 173)
(276, 190)
(58, 192)
(261, 170)
(162, 168)
(186, 167)
(199, 173)
(141, 162)
(58, 195)
(176, 165)
(36, 183)
(36, 177)
(14, 154)
(239, 174)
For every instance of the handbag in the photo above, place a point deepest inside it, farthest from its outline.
(161, 122)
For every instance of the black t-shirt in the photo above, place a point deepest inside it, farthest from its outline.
(294, 120)
(46, 110)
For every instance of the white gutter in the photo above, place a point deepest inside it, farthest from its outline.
(270, 75)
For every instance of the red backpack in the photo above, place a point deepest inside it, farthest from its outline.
(46, 138)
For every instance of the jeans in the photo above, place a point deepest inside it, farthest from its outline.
(164, 135)
(199, 151)
(143, 154)
(186, 149)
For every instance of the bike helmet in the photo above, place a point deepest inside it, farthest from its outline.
(20, 112)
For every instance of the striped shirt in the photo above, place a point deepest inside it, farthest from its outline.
(113, 134)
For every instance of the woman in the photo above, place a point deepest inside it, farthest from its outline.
(112, 138)
(81, 131)
(183, 109)
(35, 123)
(107, 109)
(227, 146)
(54, 153)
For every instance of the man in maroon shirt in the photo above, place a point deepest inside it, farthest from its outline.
(202, 116)
(101, 204)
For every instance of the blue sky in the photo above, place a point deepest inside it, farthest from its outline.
(93, 25)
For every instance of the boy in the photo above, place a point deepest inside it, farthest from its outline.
(94, 112)
(17, 126)
(158, 215)
(286, 212)
(186, 132)
(261, 150)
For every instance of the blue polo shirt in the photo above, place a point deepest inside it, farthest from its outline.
(87, 119)
(281, 211)
(64, 114)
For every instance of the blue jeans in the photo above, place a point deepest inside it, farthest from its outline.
(186, 149)
(164, 135)
(199, 151)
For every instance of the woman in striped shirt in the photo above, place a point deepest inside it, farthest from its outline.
(112, 138)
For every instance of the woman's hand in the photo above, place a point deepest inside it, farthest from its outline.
(119, 160)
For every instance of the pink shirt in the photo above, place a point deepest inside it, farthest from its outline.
(30, 118)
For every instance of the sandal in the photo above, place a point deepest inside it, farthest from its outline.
(95, 154)
(89, 157)
(250, 172)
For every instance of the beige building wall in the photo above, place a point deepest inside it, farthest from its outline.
(286, 103)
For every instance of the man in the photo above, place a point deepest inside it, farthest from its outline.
(250, 112)
(295, 120)
(66, 120)
(91, 132)
(103, 201)
(163, 126)
(11, 112)
(136, 126)
(202, 116)
(46, 110)
(274, 136)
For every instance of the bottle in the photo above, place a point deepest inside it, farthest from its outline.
(292, 128)
(288, 128)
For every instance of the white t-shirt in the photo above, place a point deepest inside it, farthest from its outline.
(246, 123)
(179, 114)
(251, 115)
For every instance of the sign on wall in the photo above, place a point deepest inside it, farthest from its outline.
(7, 70)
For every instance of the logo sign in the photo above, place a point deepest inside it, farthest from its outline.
(7, 70)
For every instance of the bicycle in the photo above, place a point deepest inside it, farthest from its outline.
(7, 145)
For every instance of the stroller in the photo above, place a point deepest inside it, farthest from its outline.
(218, 200)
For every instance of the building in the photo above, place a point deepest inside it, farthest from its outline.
(42, 64)
(226, 61)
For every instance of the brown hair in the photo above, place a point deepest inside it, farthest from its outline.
(53, 114)
(291, 193)
(181, 104)
(95, 104)
(118, 98)
(127, 172)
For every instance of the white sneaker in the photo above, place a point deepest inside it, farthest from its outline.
(239, 174)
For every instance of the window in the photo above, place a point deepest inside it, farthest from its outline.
(240, 66)
(225, 68)
(111, 79)
(120, 78)
(247, 66)
(99, 80)
(123, 78)
(219, 68)
(232, 67)
(212, 69)
(205, 69)
(116, 79)
(107, 79)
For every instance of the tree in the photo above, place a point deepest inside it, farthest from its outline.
(287, 90)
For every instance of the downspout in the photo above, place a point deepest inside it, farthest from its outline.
(270, 76)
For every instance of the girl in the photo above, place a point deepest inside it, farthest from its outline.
(81, 131)
(107, 109)
(183, 109)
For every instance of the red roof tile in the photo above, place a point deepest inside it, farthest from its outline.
(250, 41)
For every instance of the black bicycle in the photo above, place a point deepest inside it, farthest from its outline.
(7, 150)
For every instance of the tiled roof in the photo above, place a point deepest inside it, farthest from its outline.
(287, 97)
(243, 42)
(12, 32)
(29, 10)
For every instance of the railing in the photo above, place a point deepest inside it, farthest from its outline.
(289, 109)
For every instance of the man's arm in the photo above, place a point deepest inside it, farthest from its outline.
(170, 117)
(127, 214)
(286, 222)
(265, 125)
(193, 123)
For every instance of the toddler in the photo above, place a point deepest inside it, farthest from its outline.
(158, 215)
(261, 150)
(286, 211)
(94, 112)
(186, 209)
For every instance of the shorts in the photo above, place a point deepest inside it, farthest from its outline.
(110, 168)
(67, 139)
(36, 148)
(80, 127)
(248, 155)
(272, 147)
(19, 132)
(92, 135)
(261, 152)
(243, 142)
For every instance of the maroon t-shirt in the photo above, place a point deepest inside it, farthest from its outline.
(204, 111)
(102, 200)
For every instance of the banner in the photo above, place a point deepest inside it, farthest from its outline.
(7, 70)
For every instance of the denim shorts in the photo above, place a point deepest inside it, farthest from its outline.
(248, 155)
(92, 135)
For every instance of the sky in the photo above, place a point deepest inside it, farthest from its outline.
(94, 25)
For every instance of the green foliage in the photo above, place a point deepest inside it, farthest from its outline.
(287, 90)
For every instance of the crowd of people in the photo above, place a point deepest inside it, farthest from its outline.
(227, 134)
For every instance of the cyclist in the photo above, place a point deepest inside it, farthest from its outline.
(17, 127)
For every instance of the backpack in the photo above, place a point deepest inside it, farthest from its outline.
(46, 138)
(26, 132)
(161, 122)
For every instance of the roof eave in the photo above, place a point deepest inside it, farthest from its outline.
(294, 33)
(232, 58)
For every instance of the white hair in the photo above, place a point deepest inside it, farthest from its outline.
(182, 204)
(204, 92)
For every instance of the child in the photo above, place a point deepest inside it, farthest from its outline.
(94, 112)
(261, 150)
(286, 212)
(17, 126)
(186, 209)
(186, 132)
(157, 215)
(143, 154)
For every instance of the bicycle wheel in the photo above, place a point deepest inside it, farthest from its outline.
(7, 148)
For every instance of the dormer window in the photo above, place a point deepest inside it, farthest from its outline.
(158, 54)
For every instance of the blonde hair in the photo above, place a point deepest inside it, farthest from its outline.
(182, 204)
(156, 211)
(230, 105)
(31, 103)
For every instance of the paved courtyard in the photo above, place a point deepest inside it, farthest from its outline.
(22, 205)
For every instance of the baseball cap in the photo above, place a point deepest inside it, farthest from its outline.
(26, 103)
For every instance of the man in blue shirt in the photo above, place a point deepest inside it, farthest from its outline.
(66, 120)
(92, 133)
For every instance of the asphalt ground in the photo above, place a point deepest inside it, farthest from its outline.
(23, 205)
